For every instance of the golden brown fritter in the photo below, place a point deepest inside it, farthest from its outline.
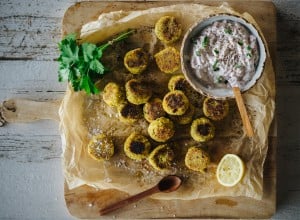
(136, 61)
(161, 157)
(215, 109)
(175, 103)
(130, 113)
(168, 60)
(196, 159)
(136, 92)
(186, 118)
(153, 109)
(113, 95)
(167, 29)
(101, 147)
(161, 129)
(202, 129)
(179, 82)
(137, 146)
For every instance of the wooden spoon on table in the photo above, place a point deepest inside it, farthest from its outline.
(166, 185)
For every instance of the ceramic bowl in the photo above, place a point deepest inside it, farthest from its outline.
(194, 31)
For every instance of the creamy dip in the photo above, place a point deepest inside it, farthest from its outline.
(225, 54)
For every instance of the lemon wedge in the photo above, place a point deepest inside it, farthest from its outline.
(230, 170)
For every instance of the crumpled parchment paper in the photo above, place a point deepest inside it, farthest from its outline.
(83, 116)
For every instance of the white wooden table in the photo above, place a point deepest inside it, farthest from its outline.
(31, 180)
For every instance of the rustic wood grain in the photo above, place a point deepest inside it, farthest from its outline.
(30, 30)
(33, 183)
(18, 148)
(32, 76)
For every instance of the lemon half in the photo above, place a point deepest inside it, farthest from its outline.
(230, 170)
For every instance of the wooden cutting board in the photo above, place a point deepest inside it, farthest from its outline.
(85, 202)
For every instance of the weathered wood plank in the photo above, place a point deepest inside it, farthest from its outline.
(26, 144)
(32, 190)
(30, 79)
(29, 37)
(31, 29)
(42, 8)
(288, 151)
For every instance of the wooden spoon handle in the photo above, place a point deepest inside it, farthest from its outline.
(128, 200)
(243, 111)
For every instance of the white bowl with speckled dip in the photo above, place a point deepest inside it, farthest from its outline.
(214, 57)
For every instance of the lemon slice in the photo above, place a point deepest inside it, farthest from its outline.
(230, 170)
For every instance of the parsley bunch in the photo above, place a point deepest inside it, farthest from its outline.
(79, 62)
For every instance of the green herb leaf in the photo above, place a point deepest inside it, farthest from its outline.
(205, 41)
(215, 68)
(69, 51)
(228, 31)
(216, 51)
(88, 51)
(78, 62)
(240, 43)
(84, 83)
(96, 66)
(74, 79)
(249, 54)
(98, 53)
(238, 66)
(63, 74)
(220, 79)
(198, 52)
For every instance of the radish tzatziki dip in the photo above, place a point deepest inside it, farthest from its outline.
(224, 55)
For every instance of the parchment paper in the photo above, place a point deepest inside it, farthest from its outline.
(83, 116)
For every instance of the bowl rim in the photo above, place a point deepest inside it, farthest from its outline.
(190, 30)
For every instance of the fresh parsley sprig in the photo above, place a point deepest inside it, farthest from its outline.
(78, 62)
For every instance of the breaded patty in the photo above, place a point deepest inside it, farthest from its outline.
(113, 95)
(130, 113)
(161, 157)
(137, 146)
(197, 159)
(168, 60)
(186, 118)
(179, 82)
(101, 147)
(175, 103)
(202, 129)
(215, 109)
(136, 61)
(136, 92)
(161, 129)
(168, 29)
(153, 109)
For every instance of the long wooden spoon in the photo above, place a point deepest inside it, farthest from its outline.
(166, 185)
(243, 111)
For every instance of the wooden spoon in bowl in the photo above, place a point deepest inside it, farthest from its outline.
(166, 185)
(243, 111)
(241, 105)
